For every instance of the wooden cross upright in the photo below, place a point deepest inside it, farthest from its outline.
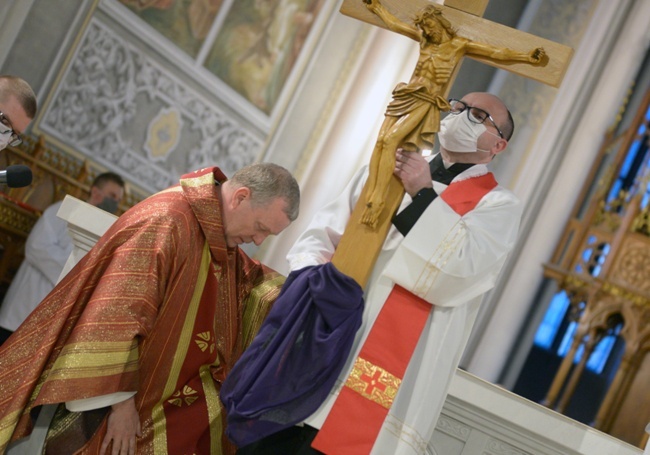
(494, 44)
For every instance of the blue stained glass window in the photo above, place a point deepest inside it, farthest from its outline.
(616, 188)
(599, 357)
(547, 330)
(629, 158)
(646, 196)
(567, 339)
(602, 255)
(596, 264)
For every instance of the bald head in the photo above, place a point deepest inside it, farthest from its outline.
(495, 107)
(458, 138)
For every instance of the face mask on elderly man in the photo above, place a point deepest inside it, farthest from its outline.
(459, 134)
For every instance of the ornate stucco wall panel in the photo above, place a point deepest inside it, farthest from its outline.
(112, 93)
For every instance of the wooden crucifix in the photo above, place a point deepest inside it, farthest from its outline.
(446, 34)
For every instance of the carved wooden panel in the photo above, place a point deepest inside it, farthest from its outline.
(632, 264)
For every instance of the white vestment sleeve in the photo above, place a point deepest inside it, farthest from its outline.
(317, 243)
(102, 401)
(49, 245)
(447, 259)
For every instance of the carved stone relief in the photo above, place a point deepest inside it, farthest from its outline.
(496, 447)
(117, 105)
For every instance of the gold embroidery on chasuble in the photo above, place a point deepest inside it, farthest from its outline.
(373, 383)
(214, 409)
(186, 397)
(95, 359)
(160, 423)
(227, 325)
(212, 401)
(7, 426)
(257, 305)
(198, 180)
(205, 341)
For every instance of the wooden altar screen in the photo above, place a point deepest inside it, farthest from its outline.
(608, 287)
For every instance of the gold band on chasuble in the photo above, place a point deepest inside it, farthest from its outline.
(373, 382)
(198, 179)
(214, 409)
(257, 305)
(95, 359)
(7, 427)
(160, 424)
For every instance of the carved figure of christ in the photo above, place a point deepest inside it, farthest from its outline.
(445, 35)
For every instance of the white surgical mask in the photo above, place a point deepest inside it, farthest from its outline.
(459, 134)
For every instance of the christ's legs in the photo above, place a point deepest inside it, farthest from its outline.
(382, 163)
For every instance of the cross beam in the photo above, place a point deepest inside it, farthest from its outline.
(476, 28)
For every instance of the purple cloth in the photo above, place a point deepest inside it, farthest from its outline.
(293, 362)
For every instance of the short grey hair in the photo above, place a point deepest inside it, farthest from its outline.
(15, 86)
(268, 181)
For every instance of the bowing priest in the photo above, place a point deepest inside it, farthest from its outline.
(449, 240)
(135, 341)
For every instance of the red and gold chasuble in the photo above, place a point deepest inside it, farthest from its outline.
(160, 306)
(363, 403)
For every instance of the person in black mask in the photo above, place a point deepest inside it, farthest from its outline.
(46, 252)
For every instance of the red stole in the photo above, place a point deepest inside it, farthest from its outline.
(359, 411)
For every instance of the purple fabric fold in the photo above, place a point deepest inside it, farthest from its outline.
(293, 362)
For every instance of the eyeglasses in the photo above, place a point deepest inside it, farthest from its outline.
(7, 128)
(474, 114)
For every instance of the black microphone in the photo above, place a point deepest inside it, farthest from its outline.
(16, 176)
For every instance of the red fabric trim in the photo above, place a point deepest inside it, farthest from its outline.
(350, 429)
(463, 196)
(354, 421)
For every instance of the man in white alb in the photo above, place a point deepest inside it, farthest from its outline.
(46, 251)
